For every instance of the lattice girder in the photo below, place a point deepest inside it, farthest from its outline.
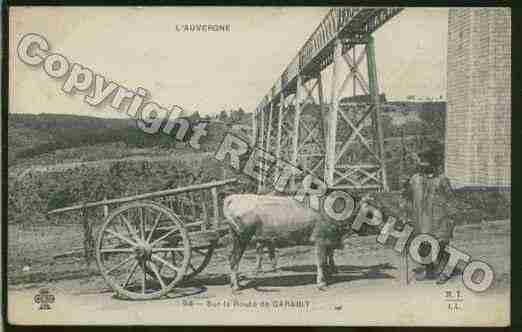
(354, 152)
(310, 150)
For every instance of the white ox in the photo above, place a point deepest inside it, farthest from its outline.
(280, 217)
(427, 204)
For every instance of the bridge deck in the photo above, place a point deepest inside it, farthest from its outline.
(347, 23)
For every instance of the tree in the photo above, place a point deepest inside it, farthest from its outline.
(413, 127)
(433, 116)
(195, 116)
(237, 115)
(182, 113)
(387, 125)
(434, 156)
(223, 116)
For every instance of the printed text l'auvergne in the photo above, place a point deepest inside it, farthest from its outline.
(202, 27)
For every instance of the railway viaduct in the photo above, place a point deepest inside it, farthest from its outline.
(340, 140)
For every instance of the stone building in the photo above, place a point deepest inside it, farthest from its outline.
(478, 128)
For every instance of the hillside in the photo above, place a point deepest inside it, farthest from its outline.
(49, 138)
(31, 135)
(57, 160)
(39, 140)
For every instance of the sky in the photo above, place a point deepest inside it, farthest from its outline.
(208, 71)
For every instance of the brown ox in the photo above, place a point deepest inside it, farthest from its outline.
(280, 217)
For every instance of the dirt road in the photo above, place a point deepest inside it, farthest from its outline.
(366, 291)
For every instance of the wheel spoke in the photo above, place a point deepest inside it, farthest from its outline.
(167, 249)
(116, 250)
(148, 237)
(128, 226)
(199, 251)
(121, 237)
(172, 231)
(114, 229)
(142, 223)
(123, 262)
(156, 223)
(156, 272)
(173, 254)
(143, 279)
(131, 273)
(166, 263)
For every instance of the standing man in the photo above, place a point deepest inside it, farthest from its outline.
(430, 197)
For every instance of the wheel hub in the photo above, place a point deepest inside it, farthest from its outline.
(143, 251)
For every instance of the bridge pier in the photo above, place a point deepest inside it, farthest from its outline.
(340, 140)
(332, 115)
(279, 124)
(297, 115)
(355, 155)
(375, 99)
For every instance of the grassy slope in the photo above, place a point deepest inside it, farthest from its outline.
(31, 135)
(51, 139)
(65, 159)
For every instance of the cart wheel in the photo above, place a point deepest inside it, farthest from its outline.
(135, 243)
(200, 257)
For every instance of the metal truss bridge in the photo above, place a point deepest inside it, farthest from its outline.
(340, 139)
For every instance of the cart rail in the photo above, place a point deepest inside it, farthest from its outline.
(162, 193)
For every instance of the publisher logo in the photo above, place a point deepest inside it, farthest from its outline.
(44, 298)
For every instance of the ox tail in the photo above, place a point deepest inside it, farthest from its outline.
(232, 220)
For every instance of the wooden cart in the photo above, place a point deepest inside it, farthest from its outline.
(150, 242)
